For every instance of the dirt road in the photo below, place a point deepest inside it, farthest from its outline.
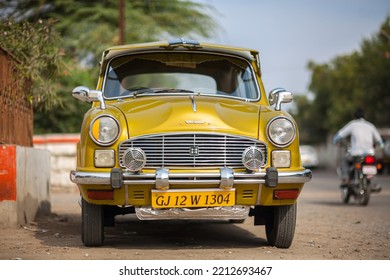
(326, 229)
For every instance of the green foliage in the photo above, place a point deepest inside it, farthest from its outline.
(88, 27)
(361, 79)
(308, 126)
(36, 48)
(68, 116)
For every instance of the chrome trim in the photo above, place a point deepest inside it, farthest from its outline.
(190, 178)
(182, 41)
(248, 162)
(96, 141)
(268, 134)
(227, 178)
(162, 179)
(193, 101)
(173, 150)
(295, 177)
(90, 178)
(278, 96)
(89, 95)
(214, 52)
(137, 156)
(101, 99)
(236, 212)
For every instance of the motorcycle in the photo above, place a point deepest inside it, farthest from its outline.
(361, 174)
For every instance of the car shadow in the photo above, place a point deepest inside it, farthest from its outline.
(131, 233)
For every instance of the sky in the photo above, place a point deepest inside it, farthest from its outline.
(290, 33)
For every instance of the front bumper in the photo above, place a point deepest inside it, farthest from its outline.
(163, 178)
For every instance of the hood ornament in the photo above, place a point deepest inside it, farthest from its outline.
(193, 101)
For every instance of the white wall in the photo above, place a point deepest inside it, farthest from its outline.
(62, 148)
(30, 183)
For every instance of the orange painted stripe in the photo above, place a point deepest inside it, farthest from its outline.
(49, 140)
(7, 172)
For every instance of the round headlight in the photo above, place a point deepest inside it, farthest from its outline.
(281, 131)
(253, 158)
(134, 159)
(104, 130)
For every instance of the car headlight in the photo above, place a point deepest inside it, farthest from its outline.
(104, 130)
(281, 131)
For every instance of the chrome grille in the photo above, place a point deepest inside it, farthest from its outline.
(195, 150)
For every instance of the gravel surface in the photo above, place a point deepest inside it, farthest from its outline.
(326, 229)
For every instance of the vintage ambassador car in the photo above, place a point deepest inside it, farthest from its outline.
(184, 130)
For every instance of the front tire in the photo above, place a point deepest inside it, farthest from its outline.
(92, 226)
(280, 225)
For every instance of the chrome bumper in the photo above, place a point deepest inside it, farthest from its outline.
(162, 179)
(208, 213)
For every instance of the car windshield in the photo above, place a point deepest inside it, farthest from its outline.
(180, 73)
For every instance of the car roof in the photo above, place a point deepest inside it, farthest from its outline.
(178, 45)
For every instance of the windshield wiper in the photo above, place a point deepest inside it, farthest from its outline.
(140, 90)
(137, 91)
(173, 90)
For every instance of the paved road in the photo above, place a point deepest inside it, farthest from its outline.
(326, 229)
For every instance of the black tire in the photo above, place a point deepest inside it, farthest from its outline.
(280, 225)
(92, 227)
(345, 194)
(364, 198)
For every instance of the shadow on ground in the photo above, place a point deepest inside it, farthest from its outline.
(131, 233)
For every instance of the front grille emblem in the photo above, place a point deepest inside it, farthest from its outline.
(195, 122)
(194, 151)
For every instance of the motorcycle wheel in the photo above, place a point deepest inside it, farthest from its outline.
(365, 191)
(345, 195)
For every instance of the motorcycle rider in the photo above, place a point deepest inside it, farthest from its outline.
(364, 137)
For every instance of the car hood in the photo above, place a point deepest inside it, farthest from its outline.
(165, 114)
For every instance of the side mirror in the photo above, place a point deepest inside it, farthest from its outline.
(278, 96)
(88, 95)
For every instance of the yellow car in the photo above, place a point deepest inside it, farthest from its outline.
(184, 130)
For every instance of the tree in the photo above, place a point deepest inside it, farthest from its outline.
(361, 79)
(37, 49)
(92, 26)
(374, 76)
(89, 27)
(308, 128)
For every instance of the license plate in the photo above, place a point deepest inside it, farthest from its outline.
(369, 169)
(192, 198)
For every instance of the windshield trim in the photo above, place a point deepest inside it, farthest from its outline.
(258, 88)
(149, 94)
